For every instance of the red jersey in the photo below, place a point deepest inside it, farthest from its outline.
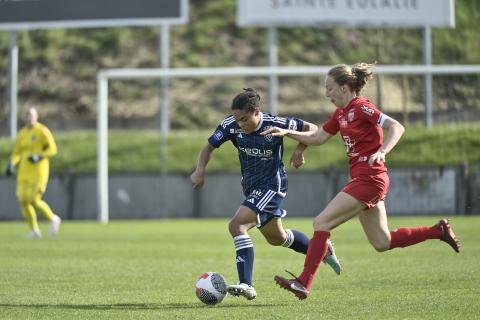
(360, 124)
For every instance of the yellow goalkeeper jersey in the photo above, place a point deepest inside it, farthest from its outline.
(35, 140)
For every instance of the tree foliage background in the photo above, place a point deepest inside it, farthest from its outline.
(58, 67)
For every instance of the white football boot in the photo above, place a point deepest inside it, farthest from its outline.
(242, 289)
(34, 234)
(331, 259)
(55, 225)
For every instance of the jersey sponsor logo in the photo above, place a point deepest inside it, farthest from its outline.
(292, 125)
(34, 138)
(350, 116)
(236, 130)
(256, 193)
(218, 135)
(255, 152)
(368, 111)
(349, 143)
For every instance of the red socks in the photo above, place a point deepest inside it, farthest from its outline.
(317, 250)
(404, 237)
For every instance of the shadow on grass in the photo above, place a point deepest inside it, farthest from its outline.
(131, 306)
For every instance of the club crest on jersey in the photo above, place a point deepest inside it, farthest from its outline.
(350, 116)
(34, 138)
(367, 110)
(268, 137)
(218, 135)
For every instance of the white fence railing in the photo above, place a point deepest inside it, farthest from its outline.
(104, 75)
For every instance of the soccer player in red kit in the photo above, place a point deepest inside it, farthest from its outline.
(360, 123)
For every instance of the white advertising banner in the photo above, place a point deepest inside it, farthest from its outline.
(355, 13)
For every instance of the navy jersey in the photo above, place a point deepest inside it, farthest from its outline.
(260, 156)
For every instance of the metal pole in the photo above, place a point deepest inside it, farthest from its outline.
(164, 63)
(427, 60)
(102, 148)
(273, 62)
(12, 83)
(164, 111)
(164, 42)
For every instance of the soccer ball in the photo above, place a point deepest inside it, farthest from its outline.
(211, 288)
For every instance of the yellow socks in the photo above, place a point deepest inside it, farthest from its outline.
(29, 214)
(44, 209)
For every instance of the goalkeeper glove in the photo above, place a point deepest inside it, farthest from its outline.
(9, 170)
(34, 158)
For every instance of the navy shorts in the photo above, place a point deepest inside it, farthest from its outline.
(266, 203)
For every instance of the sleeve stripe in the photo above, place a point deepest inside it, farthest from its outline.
(227, 121)
(280, 120)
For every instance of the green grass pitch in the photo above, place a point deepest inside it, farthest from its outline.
(147, 269)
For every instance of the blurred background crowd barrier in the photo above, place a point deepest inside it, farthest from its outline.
(414, 191)
(60, 63)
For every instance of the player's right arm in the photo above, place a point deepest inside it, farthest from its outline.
(314, 137)
(15, 156)
(198, 176)
(297, 159)
(17, 151)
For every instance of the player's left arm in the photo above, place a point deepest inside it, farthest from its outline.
(395, 131)
(298, 158)
(49, 146)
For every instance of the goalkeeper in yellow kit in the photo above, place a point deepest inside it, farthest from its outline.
(33, 146)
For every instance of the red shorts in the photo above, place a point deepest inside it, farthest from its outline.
(368, 189)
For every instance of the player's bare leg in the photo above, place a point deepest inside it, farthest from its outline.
(375, 225)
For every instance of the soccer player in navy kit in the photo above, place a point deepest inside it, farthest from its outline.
(360, 123)
(264, 183)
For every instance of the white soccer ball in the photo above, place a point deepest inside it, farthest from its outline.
(211, 288)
